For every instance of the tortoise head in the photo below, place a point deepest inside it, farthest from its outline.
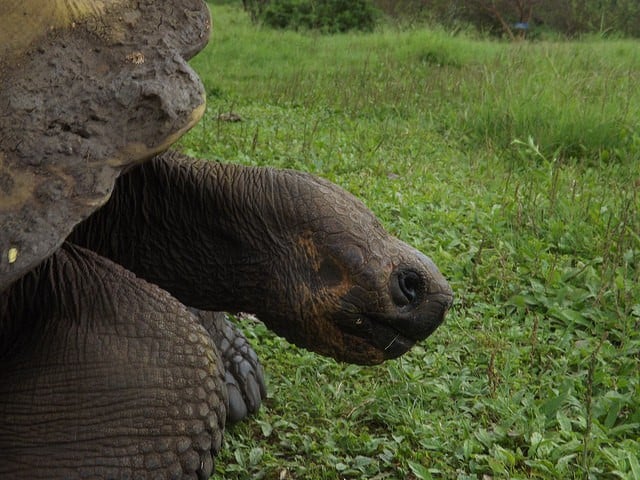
(308, 258)
(351, 290)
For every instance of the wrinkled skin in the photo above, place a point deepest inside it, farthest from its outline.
(309, 259)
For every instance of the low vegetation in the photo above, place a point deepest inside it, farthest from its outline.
(516, 167)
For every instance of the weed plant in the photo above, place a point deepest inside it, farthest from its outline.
(517, 169)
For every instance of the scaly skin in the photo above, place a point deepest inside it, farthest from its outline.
(103, 375)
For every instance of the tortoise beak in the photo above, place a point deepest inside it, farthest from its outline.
(395, 334)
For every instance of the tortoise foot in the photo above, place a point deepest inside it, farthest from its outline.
(244, 376)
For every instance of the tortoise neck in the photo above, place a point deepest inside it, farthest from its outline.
(206, 232)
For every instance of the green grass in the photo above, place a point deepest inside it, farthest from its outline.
(517, 169)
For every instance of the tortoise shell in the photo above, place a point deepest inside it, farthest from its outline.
(88, 89)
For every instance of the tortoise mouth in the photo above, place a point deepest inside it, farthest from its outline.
(393, 334)
(391, 342)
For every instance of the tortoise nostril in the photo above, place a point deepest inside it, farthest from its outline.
(407, 287)
(410, 283)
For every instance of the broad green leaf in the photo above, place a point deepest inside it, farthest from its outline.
(420, 470)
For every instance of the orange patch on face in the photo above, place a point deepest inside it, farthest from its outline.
(308, 248)
(322, 301)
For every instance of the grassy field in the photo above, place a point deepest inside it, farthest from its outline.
(516, 167)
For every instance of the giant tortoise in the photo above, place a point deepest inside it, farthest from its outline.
(113, 249)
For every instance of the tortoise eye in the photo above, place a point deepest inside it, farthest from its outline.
(330, 272)
(353, 256)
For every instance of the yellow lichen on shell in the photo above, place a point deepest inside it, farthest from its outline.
(24, 21)
(12, 255)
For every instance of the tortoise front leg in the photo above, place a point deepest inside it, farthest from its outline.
(103, 375)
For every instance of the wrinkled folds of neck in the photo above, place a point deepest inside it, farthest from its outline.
(208, 233)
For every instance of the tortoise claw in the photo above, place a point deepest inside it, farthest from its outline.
(244, 375)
